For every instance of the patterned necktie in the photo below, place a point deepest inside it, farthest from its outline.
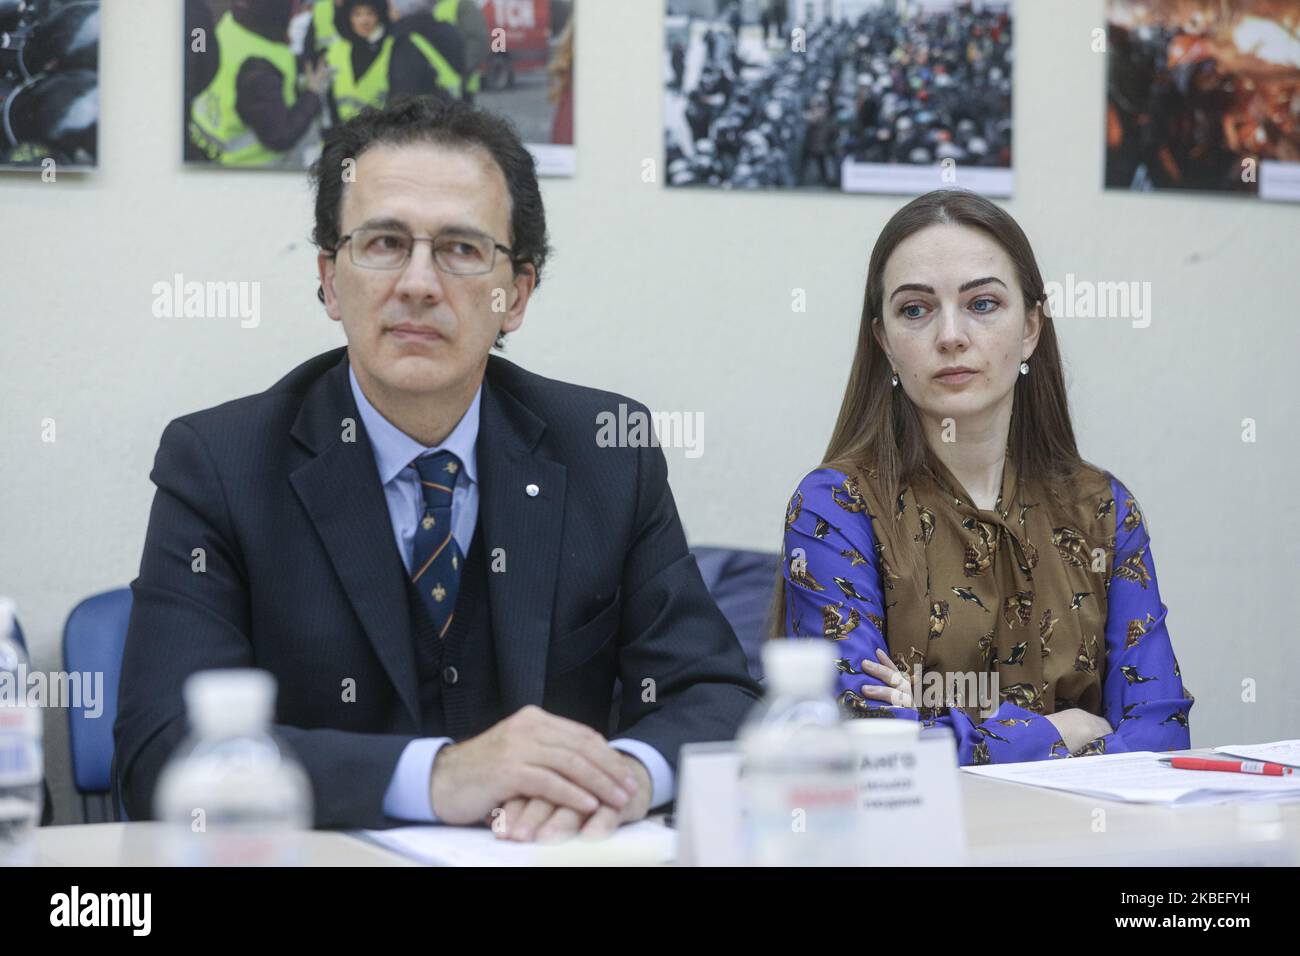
(436, 560)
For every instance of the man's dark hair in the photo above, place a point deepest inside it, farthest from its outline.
(442, 122)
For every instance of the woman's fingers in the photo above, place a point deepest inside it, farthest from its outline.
(897, 691)
(888, 674)
(897, 696)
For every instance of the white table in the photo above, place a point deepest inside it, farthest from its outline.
(1006, 824)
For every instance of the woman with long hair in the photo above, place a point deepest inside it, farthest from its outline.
(972, 570)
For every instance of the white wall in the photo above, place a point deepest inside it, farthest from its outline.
(681, 299)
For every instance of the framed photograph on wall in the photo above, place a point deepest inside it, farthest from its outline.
(874, 96)
(265, 78)
(49, 84)
(528, 77)
(1204, 95)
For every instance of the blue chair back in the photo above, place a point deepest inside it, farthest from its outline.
(743, 583)
(93, 640)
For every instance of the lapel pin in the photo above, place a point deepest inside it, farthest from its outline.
(531, 491)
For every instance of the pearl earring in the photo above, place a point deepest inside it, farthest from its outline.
(894, 379)
(1024, 368)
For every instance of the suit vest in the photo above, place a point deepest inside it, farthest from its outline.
(459, 690)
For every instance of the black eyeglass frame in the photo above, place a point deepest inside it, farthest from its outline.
(496, 247)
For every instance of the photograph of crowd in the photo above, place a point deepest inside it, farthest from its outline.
(1204, 95)
(846, 95)
(49, 84)
(265, 78)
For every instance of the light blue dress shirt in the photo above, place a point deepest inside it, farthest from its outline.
(408, 796)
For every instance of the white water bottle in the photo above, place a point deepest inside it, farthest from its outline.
(22, 760)
(233, 794)
(799, 763)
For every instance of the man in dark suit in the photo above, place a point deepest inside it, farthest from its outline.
(426, 544)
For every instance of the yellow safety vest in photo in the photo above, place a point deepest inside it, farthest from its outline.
(448, 11)
(351, 95)
(448, 78)
(215, 125)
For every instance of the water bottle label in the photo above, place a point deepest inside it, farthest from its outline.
(20, 761)
(239, 845)
(20, 746)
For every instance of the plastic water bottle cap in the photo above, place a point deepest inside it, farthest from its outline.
(8, 615)
(797, 666)
(230, 701)
(11, 655)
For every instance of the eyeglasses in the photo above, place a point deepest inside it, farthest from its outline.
(455, 253)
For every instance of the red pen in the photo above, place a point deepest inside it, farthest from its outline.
(1230, 766)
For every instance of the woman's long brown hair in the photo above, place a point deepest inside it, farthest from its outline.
(878, 426)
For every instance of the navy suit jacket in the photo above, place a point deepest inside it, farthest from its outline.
(303, 579)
